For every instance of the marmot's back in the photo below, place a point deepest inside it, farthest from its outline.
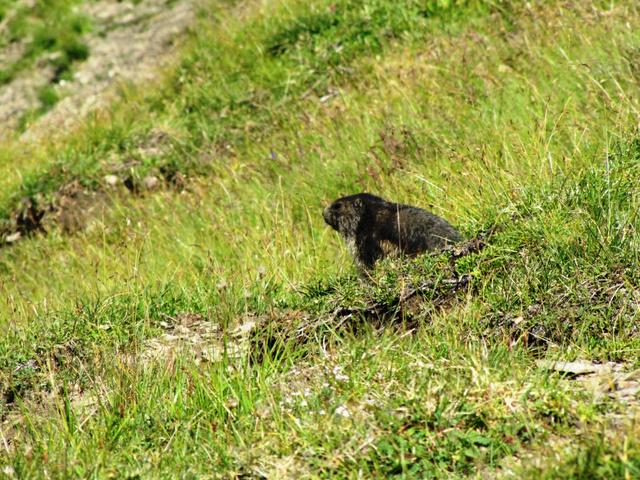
(374, 228)
(418, 230)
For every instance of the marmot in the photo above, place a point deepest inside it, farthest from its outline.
(374, 228)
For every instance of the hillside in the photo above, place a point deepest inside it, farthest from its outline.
(173, 305)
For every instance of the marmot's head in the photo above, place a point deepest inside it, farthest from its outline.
(345, 213)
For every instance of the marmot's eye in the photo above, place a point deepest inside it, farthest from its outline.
(336, 206)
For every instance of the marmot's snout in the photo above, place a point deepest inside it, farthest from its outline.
(328, 217)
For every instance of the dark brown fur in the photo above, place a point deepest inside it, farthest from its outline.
(374, 228)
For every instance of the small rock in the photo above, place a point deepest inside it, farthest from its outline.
(262, 411)
(598, 385)
(338, 375)
(244, 329)
(111, 180)
(534, 309)
(150, 182)
(343, 411)
(31, 364)
(14, 237)
(626, 384)
(9, 471)
(189, 319)
(577, 367)
(629, 392)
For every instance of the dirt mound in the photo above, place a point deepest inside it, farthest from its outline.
(74, 205)
(71, 207)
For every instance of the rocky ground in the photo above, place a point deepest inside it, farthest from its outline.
(128, 41)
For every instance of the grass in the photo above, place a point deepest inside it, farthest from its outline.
(518, 117)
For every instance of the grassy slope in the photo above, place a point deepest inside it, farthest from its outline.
(518, 116)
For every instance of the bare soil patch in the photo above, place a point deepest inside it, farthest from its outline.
(130, 42)
(73, 206)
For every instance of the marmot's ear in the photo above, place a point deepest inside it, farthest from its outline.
(358, 203)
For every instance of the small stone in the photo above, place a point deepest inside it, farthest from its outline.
(577, 367)
(30, 364)
(534, 309)
(338, 375)
(343, 411)
(629, 392)
(14, 237)
(111, 180)
(262, 411)
(150, 182)
(244, 329)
